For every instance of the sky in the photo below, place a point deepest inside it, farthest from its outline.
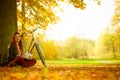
(88, 23)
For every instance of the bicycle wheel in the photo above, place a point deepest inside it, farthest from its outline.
(40, 54)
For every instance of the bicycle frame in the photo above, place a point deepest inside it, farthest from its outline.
(36, 45)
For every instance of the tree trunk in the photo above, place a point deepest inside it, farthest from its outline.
(8, 25)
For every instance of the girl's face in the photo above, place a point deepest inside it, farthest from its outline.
(17, 38)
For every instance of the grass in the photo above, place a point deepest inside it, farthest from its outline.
(85, 61)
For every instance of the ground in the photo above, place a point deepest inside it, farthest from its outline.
(62, 72)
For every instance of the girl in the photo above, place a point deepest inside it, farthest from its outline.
(16, 54)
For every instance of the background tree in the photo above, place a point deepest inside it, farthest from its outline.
(50, 49)
(109, 42)
(116, 18)
(116, 26)
(114, 30)
(76, 48)
(8, 25)
(106, 45)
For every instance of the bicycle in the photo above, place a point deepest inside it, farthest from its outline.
(33, 44)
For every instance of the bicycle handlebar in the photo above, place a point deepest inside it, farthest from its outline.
(30, 32)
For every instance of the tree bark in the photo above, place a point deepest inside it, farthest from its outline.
(8, 25)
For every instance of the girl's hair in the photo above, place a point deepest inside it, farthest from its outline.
(20, 43)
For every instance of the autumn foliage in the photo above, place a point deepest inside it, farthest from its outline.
(61, 72)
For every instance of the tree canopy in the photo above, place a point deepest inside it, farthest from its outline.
(41, 12)
(109, 41)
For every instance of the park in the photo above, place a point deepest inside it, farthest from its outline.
(69, 39)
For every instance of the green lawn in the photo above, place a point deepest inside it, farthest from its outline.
(91, 61)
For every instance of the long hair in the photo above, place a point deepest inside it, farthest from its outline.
(20, 43)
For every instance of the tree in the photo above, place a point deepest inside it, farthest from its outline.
(50, 49)
(8, 25)
(78, 48)
(115, 23)
(116, 18)
(107, 44)
(40, 12)
(36, 13)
